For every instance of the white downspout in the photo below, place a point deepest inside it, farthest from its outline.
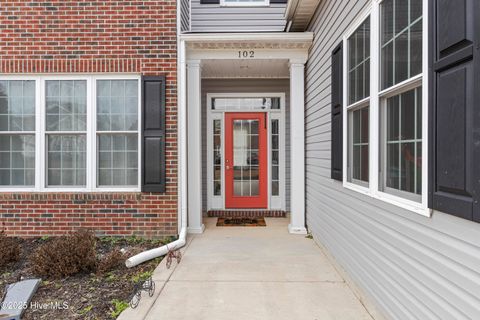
(182, 146)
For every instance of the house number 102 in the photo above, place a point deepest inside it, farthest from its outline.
(246, 54)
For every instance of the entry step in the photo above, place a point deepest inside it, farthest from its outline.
(246, 213)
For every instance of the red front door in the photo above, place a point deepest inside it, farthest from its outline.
(246, 160)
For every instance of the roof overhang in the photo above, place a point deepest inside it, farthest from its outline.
(299, 13)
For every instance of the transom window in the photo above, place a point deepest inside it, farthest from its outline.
(243, 104)
(385, 97)
(58, 133)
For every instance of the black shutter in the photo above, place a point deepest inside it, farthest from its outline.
(153, 135)
(278, 1)
(454, 99)
(337, 113)
(209, 1)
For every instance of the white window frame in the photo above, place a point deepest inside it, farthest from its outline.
(274, 202)
(377, 97)
(354, 184)
(240, 3)
(91, 134)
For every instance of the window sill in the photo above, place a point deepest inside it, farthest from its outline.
(70, 190)
(406, 204)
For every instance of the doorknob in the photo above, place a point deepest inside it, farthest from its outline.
(227, 167)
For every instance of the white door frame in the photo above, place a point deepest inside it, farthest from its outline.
(274, 202)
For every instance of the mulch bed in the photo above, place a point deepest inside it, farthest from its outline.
(241, 222)
(88, 296)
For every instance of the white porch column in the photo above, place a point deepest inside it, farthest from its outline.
(194, 146)
(297, 147)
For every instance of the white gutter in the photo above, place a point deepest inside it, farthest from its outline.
(182, 160)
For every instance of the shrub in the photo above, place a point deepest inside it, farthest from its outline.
(66, 256)
(110, 261)
(9, 249)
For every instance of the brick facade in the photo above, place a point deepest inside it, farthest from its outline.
(80, 36)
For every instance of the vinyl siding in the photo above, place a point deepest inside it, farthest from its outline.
(185, 15)
(411, 267)
(215, 18)
(243, 86)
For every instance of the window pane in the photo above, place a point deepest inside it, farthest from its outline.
(402, 150)
(358, 154)
(359, 63)
(66, 160)
(217, 158)
(17, 105)
(117, 105)
(66, 105)
(275, 160)
(245, 103)
(117, 160)
(17, 160)
(401, 54)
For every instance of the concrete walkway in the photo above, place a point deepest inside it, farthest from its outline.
(250, 273)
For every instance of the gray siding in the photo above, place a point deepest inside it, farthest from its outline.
(185, 15)
(214, 18)
(411, 267)
(245, 86)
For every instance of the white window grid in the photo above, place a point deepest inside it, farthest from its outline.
(41, 134)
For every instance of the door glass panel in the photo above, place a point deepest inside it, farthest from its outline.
(245, 158)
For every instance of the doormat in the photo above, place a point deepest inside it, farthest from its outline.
(241, 222)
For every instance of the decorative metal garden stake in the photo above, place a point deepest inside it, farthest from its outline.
(148, 285)
(173, 254)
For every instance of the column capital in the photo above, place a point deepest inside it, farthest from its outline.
(296, 63)
(194, 63)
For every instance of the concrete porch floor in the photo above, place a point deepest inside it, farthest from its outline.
(249, 273)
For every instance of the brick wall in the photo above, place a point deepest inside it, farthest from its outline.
(79, 36)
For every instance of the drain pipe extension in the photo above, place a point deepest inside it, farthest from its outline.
(177, 244)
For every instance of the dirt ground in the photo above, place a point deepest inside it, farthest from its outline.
(83, 296)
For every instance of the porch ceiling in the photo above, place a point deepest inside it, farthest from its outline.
(264, 68)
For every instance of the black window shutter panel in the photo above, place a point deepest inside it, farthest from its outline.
(337, 113)
(209, 1)
(278, 1)
(454, 115)
(153, 134)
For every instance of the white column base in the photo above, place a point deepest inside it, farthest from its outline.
(296, 230)
(196, 230)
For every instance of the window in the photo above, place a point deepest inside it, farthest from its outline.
(384, 124)
(217, 157)
(242, 104)
(66, 132)
(17, 133)
(275, 135)
(358, 75)
(401, 40)
(244, 2)
(117, 137)
(401, 107)
(402, 145)
(78, 133)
